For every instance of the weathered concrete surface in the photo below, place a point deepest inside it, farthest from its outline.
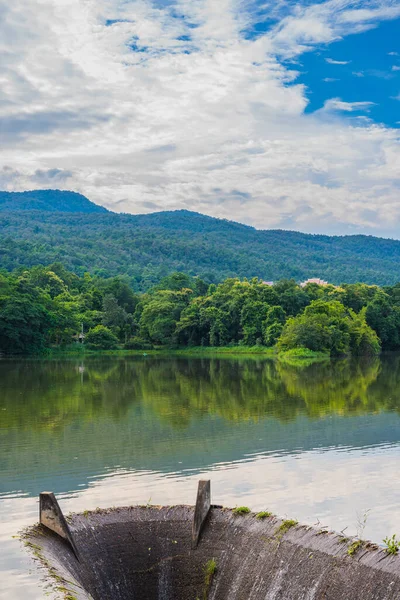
(202, 508)
(146, 554)
(51, 516)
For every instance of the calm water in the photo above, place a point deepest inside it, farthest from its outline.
(319, 444)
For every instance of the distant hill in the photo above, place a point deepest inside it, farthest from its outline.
(85, 237)
(53, 200)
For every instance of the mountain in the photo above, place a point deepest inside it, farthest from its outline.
(85, 237)
(49, 200)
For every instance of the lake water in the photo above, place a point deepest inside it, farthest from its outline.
(320, 444)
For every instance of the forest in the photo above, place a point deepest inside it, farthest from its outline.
(45, 308)
(47, 226)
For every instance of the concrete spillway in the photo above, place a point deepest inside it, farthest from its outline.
(151, 553)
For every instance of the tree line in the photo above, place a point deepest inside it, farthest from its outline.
(149, 247)
(46, 307)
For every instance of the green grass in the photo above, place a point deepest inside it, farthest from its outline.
(241, 510)
(225, 350)
(285, 526)
(354, 547)
(302, 357)
(81, 350)
(264, 514)
(392, 544)
(298, 357)
(210, 569)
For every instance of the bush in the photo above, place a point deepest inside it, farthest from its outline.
(329, 327)
(137, 344)
(101, 338)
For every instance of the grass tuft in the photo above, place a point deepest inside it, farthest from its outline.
(354, 547)
(264, 514)
(241, 510)
(210, 569)
(286, 525)
(392, 544)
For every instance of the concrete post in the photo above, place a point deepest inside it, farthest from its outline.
(203, 505)
(51, 516)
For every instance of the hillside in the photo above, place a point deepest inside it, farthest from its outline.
(147, 247)
(49, 200)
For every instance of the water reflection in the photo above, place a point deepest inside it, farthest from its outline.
(44, 394)
(322, 442)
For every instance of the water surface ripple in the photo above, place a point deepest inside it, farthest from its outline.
(321, 444)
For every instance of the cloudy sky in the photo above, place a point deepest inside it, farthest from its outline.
(275, 113)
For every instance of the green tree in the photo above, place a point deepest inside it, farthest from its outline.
(101, 338)
(160, 315)
(114, 316)
(273, 325)
(292, 297)
(24, 324)
(192, 329)
(385, 320)
(329, 327)
(251, 321)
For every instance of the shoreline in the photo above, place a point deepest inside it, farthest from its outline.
(297, 357)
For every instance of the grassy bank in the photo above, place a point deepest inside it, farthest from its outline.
(79, 350)
(298, 357)
(302, 357)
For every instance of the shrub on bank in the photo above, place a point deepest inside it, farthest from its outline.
(101, 338)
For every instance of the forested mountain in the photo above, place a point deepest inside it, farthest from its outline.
(54, 200)
(84, 237)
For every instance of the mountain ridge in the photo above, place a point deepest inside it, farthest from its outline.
(50, 200)
(96, 208)
(147, 247)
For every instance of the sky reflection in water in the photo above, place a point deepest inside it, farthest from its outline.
(320, 444)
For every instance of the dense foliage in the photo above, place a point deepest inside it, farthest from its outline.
(48, 200)
(35, 229)
(46, 307)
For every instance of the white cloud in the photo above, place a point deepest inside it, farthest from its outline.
(338, 104)
(359, 15)
(198, 117)
(331, 61)
(396, 68)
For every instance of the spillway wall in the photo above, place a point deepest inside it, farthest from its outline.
(146, 554)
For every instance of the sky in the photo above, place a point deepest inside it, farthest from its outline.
(273, 113)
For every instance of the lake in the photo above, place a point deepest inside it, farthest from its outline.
(320, 444)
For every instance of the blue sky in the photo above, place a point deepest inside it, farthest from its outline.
(275, 113)
(361, 67)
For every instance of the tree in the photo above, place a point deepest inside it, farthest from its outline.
(175, 282)
(123, 293)
(358, 295)
(114, 316)
(46, 280)
(364, 340)
(160, 315)
(329, 327)
(385, 320)
(251, 321)
(213, 318)
(273, 325)
(191, 329)
(101, 338)
(291, 297)
(23, 324)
